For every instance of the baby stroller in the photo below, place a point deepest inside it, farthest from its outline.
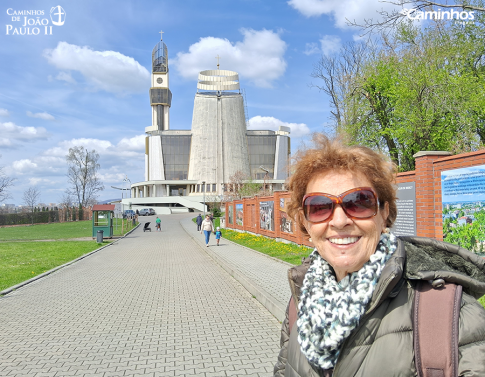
(147, 227)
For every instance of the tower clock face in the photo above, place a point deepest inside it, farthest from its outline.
(159, 80)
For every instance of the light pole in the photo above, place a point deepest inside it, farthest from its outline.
(266, 171)
(203, 186)
(127, 180)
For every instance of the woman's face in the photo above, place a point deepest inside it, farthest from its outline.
(345, 243)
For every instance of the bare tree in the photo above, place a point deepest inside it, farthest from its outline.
(239, 186)
(5, 183)
(30, 199)
(82, 175)
(66, 204)
(390, 20)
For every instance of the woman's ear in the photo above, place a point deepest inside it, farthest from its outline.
(303, 221)
(385, 214)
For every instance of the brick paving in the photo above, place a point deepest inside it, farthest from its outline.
(151, 304)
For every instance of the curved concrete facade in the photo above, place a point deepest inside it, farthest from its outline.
(219, 142)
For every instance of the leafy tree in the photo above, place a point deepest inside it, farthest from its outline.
(415, 90)
(30, 198)
(83, 175)
(390, 20)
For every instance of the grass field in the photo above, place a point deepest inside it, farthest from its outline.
(20, 261)
(57, 231)
(287, 252)
(24, 254)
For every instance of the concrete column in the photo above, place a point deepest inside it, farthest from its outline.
(145, 191)
(168, 190)
(137, 192)
(154, 191)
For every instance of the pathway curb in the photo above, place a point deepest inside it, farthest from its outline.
(265, 298)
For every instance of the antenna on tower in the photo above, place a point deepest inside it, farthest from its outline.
(161, 35)
(218, 57)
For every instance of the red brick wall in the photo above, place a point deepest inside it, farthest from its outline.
(427, 178)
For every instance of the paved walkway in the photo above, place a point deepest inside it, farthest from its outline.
(151, 304)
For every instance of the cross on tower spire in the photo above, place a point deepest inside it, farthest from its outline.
(218, 57)
(161, 35)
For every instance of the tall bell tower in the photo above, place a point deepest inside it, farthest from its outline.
(160, 94)
(160, 101)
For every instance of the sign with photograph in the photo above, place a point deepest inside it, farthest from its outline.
(463, 199)
(405, 224)
(239, 214)
(285, 220)
(266, 215)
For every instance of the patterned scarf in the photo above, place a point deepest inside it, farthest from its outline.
(330, 310)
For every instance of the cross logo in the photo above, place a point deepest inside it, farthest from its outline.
(58, 18)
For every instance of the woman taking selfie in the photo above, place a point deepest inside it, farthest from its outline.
(353, 298)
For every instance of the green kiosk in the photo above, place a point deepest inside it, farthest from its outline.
(103, 215)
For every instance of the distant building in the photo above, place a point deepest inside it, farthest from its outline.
(182, 167)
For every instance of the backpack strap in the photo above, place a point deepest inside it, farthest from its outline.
(292, 313)
(435, 328)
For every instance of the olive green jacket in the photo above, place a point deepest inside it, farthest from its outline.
(382, 343)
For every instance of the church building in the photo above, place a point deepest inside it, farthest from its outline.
(186, 168)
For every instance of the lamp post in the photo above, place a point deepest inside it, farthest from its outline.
(266, 171)
(203, 186)
(126, 179)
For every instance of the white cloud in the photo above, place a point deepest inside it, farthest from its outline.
(65, 76)
(258, 58)
(43, 115)
(4, 113)
(269, 123)
(330, 44)
(10, 131)
(106, 70)
(24, 166)
(136, 143)
(311, 48)
(4, 142)
(341, 10)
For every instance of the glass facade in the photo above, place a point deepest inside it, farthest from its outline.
(261, 150)
(176, 153)
(160, 58)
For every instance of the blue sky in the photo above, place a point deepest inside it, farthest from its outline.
(87, 83)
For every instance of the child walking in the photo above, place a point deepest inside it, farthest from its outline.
(218, 235)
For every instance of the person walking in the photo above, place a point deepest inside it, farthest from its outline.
(218, 235)
(159, 224)
(198, 221)
(207, 227)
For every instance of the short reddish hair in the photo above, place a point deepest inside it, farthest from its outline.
(332, 155)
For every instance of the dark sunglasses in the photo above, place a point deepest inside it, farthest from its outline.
(358, 203)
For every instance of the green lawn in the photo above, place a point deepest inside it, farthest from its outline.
(287, 252)
(20, 261)
(56, 231)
